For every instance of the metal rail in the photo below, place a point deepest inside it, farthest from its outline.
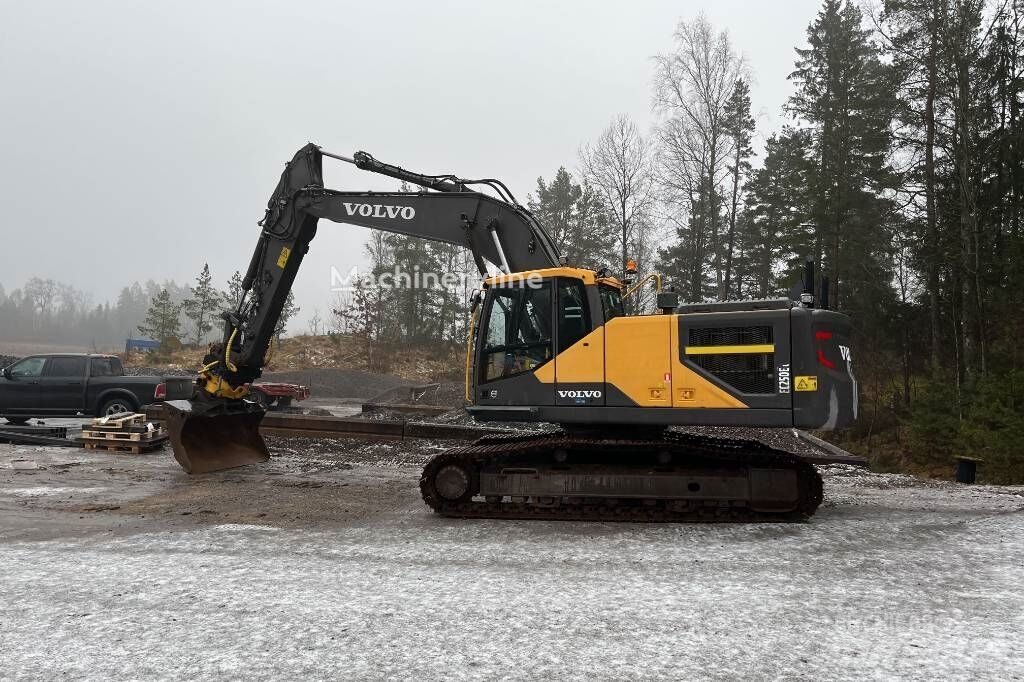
(306, 426)
(295, 426)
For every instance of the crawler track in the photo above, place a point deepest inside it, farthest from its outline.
(641, 462)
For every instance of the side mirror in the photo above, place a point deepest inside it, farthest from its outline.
(7, 372)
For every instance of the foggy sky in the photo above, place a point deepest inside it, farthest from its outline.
(140, 139)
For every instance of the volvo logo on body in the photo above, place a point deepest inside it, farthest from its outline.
(579, 394)
(380, 211)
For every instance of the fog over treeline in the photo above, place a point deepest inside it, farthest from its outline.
(47, 311)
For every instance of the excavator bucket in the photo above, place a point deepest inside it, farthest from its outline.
(215, 436)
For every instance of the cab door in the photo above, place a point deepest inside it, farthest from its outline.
(20, 391)
(63, 383)
(515, 345)
(579, 347)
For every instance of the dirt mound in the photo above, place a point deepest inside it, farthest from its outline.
(338, 383)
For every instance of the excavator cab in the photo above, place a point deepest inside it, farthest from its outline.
(556, 345)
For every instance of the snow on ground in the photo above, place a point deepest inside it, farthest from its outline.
(894, 577)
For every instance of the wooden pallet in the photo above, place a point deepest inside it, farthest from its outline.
(120, 422)
(139, 428)
(133, 436)
(125, 447)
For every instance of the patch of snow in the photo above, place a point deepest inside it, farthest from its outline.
(47, 491)
(856, 593)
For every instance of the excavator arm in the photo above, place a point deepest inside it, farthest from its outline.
(218, 428)
(495, 232)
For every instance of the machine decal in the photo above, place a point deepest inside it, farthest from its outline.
(282, 260)
(381, 211)
(784, 383)
(806, 383)
(579, 394)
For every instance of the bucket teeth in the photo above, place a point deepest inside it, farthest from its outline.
(215, 436)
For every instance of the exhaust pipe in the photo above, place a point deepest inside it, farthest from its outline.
(215, 435)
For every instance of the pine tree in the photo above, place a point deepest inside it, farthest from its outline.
(913, 30)
(161, 323)
(774, 225)
(233, 294)
(202, 305)
(289, 311)
(576, 220)
(739, 128)
(415, 300)
(845, 93)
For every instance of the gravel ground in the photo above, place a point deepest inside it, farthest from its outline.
(324, 563)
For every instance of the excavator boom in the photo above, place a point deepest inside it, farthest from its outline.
(216, 430)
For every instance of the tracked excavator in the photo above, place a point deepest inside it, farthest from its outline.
(551, 342)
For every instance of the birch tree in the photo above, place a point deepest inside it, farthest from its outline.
(619, 168)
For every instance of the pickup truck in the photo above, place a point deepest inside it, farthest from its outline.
(62, 385)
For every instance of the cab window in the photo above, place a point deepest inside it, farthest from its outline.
(518, 334)
(611, 302)
(29, 367)
(573, 322)
(104, 367)
(66, 367)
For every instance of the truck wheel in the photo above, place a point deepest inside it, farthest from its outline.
(116, 406)
(17, 421)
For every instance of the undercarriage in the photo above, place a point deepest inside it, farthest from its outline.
(669, 477)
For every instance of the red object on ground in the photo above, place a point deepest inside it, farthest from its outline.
(293, 391)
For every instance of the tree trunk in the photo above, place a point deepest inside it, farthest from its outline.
(716, 247)
(931, 217)
(724, 294)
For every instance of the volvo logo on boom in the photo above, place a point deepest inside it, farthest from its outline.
(380, 211)
(579, 394)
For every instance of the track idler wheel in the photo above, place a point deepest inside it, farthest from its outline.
(452, 482)
(446, 481)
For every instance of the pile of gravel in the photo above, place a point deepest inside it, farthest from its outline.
(449, 394)
(157, 372)
(338, 383)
